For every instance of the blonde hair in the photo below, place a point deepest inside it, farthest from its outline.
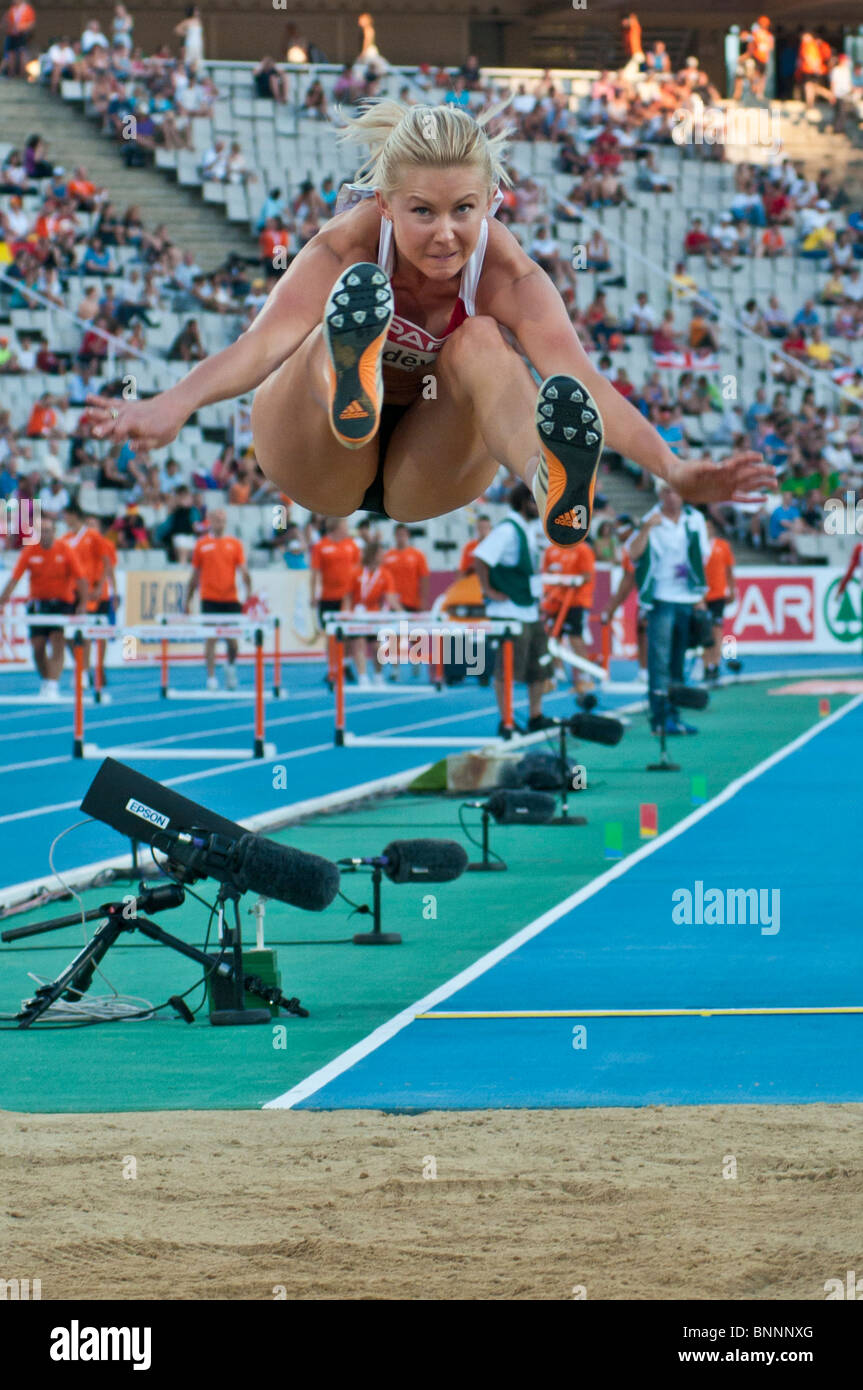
(435, 137)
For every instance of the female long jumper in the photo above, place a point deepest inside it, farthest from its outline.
(383, 364)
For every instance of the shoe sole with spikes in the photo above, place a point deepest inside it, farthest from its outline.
(356, 320)
(570, 432)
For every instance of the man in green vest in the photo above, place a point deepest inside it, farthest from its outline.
(506, 563)
(669, 551)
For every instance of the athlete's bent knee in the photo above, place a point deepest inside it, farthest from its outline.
(477, 336)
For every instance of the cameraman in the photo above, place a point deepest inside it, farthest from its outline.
(669, 553)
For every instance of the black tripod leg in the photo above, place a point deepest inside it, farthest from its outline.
(46, 995)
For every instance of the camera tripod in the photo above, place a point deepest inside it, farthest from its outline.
(74, 981)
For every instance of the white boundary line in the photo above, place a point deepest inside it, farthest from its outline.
(379, 1036)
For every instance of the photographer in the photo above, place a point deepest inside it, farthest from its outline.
(669, 553)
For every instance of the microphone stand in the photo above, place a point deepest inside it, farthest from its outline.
(375, 937)
(232, 941)
(75, 979)
(565, 818)
(485, 865)
(665, 764)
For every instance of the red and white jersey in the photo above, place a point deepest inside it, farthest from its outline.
(410, 348)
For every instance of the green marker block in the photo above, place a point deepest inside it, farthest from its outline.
(699, 791)
(614, 839)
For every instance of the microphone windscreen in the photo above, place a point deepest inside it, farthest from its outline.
(689, 696)
(596, 728)
(286, 874)
(424, 861)
(530, 808)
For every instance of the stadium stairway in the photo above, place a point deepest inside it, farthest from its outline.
(72, 140)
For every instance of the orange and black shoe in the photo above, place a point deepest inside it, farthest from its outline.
(569, 426)
(356, 321)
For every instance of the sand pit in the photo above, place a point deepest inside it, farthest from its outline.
(629, 1204)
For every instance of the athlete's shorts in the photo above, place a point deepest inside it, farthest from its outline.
(328, 605)
(531, 659)
(373, 501)
(102, 609)
(43, 607)
(573, 623)
(716, 608)
(212, 605)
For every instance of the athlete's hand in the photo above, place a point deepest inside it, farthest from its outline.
(147, 424)
(735, 479)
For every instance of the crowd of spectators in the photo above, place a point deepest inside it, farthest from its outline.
(606, 144)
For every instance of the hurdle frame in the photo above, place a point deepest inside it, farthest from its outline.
(215, 627)
(339, 627)
(81, 749)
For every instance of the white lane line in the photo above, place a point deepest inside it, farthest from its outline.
(388, 1030)
(35, 762)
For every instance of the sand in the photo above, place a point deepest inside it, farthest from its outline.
(622, 1203)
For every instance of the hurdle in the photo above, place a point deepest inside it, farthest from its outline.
(341, 626)
(599, 671)
(215, 626)
(260, 748)
(96, 628)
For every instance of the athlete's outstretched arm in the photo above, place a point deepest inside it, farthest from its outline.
(294, 307)
(531, 308)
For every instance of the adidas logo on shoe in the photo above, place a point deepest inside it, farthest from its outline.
(576, 518)
(354, 411)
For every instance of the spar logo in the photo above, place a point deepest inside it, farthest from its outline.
(842, 612)
(774, 609)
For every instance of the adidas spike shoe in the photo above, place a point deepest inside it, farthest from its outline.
(357, 317)
(570, 432)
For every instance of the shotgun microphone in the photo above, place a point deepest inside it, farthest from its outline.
(416, 861)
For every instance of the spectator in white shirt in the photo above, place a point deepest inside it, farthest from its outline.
(842, 88)
(642, 317)
(214, 165)
(61, 63)
(852, 285)
(93, 37)
(54, 498)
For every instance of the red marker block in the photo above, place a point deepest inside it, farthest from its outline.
(823, 708)
(648, 823)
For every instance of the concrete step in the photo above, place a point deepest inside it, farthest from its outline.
(73, 139)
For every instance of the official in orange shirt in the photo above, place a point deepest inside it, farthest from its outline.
(19, 23)
(334, 561)
(409, 569)
(216, 561)
(373, 588)
(483, 529)
(721, 589)
(566, 605)
(57, 586)
(98, 559)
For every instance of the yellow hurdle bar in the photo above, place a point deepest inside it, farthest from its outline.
(645, 1013)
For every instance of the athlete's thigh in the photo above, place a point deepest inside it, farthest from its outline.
(437, 459)
(294, 444)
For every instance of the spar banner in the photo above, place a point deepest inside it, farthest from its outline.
(778, 608)
(795, 609)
